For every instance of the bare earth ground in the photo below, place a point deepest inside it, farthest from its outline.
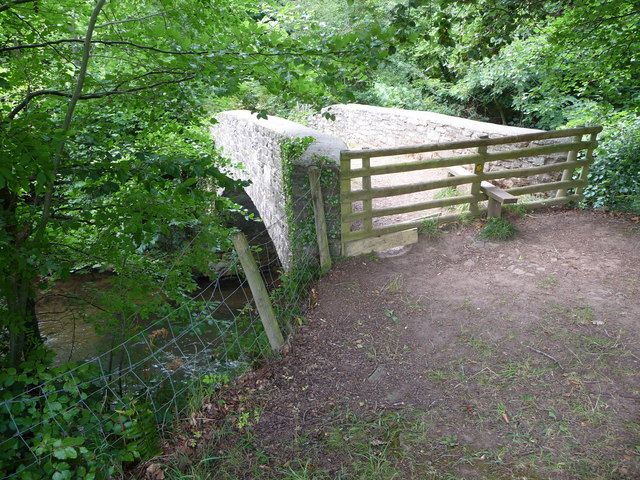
(462, 359)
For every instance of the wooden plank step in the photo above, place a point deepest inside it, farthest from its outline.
(488, 188)
(498, 194)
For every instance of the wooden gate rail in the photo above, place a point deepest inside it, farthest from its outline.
(475, 178)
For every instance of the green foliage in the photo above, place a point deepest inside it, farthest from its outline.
(498, 228)
(614, 178)
(299, 217)
(127, 180)
(68, 426)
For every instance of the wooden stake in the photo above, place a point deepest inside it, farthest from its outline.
(259, 291)
(495, 208)
(321, 222)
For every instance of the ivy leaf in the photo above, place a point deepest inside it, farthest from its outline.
(65, 453)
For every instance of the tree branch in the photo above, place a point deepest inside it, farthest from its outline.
(8, 5)
(73, 100)
(128, 20)
(171, 52)
(89, 96)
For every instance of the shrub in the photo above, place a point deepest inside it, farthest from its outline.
(614, 178)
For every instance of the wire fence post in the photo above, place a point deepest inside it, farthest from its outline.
(259, 291)
(320, 219)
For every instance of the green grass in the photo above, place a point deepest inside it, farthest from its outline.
(448, 192)
(452, 192)
(549, 281)
(479, 345)
(515, 209)
(429, 228)
(498, 229)
(519, 209)
(466, 218)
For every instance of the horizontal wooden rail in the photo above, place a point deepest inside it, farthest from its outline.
(468, 159)
(461, 180)
(438, 147)
(416, 207)
(359, 235)
(530, 171)
(405, 189)
(479, 179)
(550, 202)
(544, 187)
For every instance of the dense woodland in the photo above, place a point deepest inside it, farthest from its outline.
(106, 161)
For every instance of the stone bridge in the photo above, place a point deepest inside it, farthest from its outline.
(274, 154)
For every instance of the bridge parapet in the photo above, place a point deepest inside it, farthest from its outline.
(274, 154)
(366, 126)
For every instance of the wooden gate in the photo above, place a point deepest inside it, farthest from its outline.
(476, 153)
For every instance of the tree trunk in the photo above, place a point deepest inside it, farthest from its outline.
(17, 286)
(24, 331)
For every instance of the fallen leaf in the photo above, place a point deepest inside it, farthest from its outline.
(154, 472)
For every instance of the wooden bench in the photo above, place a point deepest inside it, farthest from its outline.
(497, 197)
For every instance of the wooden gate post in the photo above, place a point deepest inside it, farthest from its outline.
(572, 156)
(584, 174)
(259, 291)
(478, 169)
(321, 222)
(367, 203)
(346, 206)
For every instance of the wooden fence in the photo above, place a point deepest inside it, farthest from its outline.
(567, 189)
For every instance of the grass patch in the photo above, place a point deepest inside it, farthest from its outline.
(448, 192)
(429, 228)
(549, 281)
(515, 209)
(466, 218)
(521, 208)
(578, 315)
(452, 192)
(479, 345)
(394, 285)
(498, 229)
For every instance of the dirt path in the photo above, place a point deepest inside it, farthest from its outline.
(462, 359)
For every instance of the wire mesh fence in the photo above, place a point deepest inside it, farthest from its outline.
(115, 407)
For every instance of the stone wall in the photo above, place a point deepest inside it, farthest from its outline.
(255, 147)
(362, 126)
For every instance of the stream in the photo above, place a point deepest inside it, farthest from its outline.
(163, 352)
